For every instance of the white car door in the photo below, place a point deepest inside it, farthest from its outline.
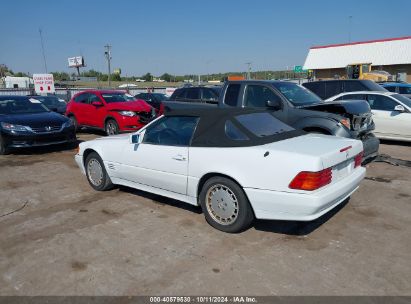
(161, 158)
(389, 122)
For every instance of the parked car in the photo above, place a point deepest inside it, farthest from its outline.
(54, 103)
(391, 112)
(328, 88)
(154, 99)
(236, 164)
(26, 122)
(402, 88)
(301, 109)
(111, 111)
(197, 94)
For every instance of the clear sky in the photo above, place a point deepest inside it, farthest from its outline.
(188, 36)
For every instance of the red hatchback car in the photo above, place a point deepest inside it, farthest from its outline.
(111, 111)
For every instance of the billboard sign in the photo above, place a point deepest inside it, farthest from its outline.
(75, 62)
(43, 83)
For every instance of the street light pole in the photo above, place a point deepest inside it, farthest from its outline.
(349, 28)
(249, 70)
(107, 53)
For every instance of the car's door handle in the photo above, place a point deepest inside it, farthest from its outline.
(179, 157)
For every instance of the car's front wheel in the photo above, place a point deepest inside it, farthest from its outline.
(111, 127)
(225, 205)
(3, 148)
(96, 173)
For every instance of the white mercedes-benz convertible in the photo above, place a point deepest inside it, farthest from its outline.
(237, 164)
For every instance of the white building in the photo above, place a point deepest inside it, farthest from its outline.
(17, 82)
(392, 55)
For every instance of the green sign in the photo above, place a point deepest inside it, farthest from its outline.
(298, 68)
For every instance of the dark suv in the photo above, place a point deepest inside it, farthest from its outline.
(328, 88)
(197, 94)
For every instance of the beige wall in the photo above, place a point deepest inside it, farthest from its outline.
(392, 69)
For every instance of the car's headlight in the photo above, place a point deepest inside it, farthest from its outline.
(346, 122)
(127, 113)
(68, 123)
(16, 128)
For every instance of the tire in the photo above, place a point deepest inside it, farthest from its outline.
(74, 120)
(96, 173)
(111, 127)
(233, 216)
(3, 149)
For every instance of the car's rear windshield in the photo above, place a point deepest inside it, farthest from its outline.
(117, 97)
(263, 124)
(21, 106)
(403, 99)
(372, 86)
(297, 95)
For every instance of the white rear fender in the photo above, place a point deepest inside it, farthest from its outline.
(250, 167)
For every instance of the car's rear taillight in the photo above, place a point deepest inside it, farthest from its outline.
(358, 159)
(311, 180)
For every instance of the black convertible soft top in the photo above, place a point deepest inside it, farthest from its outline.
(234, 127)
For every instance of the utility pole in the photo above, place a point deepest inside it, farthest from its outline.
(42, 48)
(349, 28)
(107, 53)
(248, 70)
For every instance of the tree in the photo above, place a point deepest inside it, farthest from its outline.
(167, 77)
(20, 74)
(59, 76)
(115, 77)
(147, 77)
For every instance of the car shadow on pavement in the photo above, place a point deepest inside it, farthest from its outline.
(45, 149)
(162, 200)
(395, 143)
(295, 227)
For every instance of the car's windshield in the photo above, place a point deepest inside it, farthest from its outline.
(160, 97)
(297, 95)
(21, 106)
(263, 124)
(50, 101)
(117, 97)
(403, 99)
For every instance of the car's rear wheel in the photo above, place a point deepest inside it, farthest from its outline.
(225, 205)
(3, 149)
(111, 127)
(96, 173)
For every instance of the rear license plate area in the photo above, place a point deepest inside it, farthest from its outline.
(343, 169)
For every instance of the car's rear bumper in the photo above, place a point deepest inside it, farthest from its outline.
(68, 135)
(276, 205)
(371, 145)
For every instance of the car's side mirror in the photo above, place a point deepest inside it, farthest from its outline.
(399, 108)
(54, 109)
(275, 104)
(134, 139)
(97, 103)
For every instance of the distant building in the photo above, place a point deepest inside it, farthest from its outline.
(11, 82)
(392, 55)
